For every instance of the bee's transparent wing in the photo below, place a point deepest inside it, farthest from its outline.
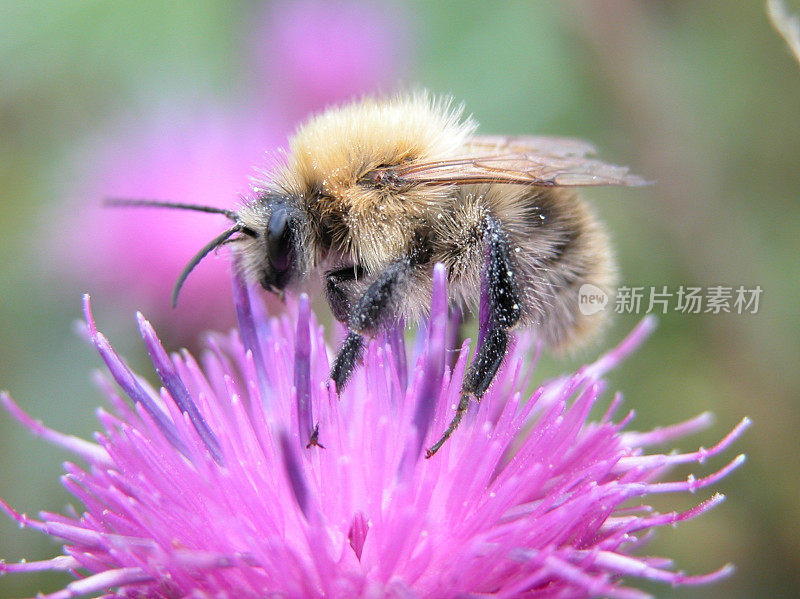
(553, 146)
(539, 161)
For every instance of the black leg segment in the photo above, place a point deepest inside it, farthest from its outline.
(504, 298)
(375, 307)
(335, 282)
(349, 354)
(486, 363)
(505, 307)
(378, 302)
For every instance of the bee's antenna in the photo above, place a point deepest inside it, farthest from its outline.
(231, 214)
(204, 251)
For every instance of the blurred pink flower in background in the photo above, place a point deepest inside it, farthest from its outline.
(316, 53)
(305, 56)
(134, 255)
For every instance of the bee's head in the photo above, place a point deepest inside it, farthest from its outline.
(280, 239)
(270, 252)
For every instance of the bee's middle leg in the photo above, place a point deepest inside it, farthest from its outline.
(366, 316)
(505, 308)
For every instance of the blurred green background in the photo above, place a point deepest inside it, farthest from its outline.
(702, 98)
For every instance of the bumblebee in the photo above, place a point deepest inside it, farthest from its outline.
(371, 195)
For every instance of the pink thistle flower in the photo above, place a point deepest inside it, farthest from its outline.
(206, 488)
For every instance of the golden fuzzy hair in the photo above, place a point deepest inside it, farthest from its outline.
(329, 155)
(350, 217)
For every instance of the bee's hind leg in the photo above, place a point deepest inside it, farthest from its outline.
(375, 307)
(505, 308)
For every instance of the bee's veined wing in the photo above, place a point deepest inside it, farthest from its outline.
(553, 146)
(538, 161)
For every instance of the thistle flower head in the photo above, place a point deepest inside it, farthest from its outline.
(205, 488)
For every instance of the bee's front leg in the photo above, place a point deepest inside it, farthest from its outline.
(376, 306)
(336, 283)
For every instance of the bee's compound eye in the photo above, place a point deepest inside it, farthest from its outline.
(279, 239)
